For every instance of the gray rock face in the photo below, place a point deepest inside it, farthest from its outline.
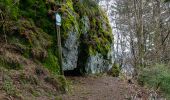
(98, 64)
(70, 51)
(94, 63)
(70, 47)
(86, 24)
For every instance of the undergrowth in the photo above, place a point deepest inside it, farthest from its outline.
(156, 76)
(115, 70)
(51, 62)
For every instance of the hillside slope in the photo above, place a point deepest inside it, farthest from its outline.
(28, 54)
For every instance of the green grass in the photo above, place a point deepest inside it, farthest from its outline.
(51, 62)
(157, 77)
(9, 87)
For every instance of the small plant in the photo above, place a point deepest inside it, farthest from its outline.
(115, 70)
(9, 87)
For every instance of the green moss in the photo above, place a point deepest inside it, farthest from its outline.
(69, 20)
(69, 3)
(51, 62)
(34, 35)
(38, 9)
(35, 93)
(99, 38)
(115, 70)
(10, 8)
(91, 51)
(88, 7)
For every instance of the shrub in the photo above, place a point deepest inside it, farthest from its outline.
(115, 70)
(157, 77)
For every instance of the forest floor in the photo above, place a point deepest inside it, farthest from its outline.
(105, 88)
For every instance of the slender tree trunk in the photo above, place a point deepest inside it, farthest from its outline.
(138, 5)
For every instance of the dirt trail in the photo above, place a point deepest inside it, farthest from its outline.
(104, 88)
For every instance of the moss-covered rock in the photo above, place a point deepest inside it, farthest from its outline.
(86, 37)
(70, 35)
(99, 36)
(95, 50)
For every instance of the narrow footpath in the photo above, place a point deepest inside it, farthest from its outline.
(105, 88)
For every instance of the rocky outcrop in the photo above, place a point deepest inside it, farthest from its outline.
(97, 64)
(70, 51)
(90, 49)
